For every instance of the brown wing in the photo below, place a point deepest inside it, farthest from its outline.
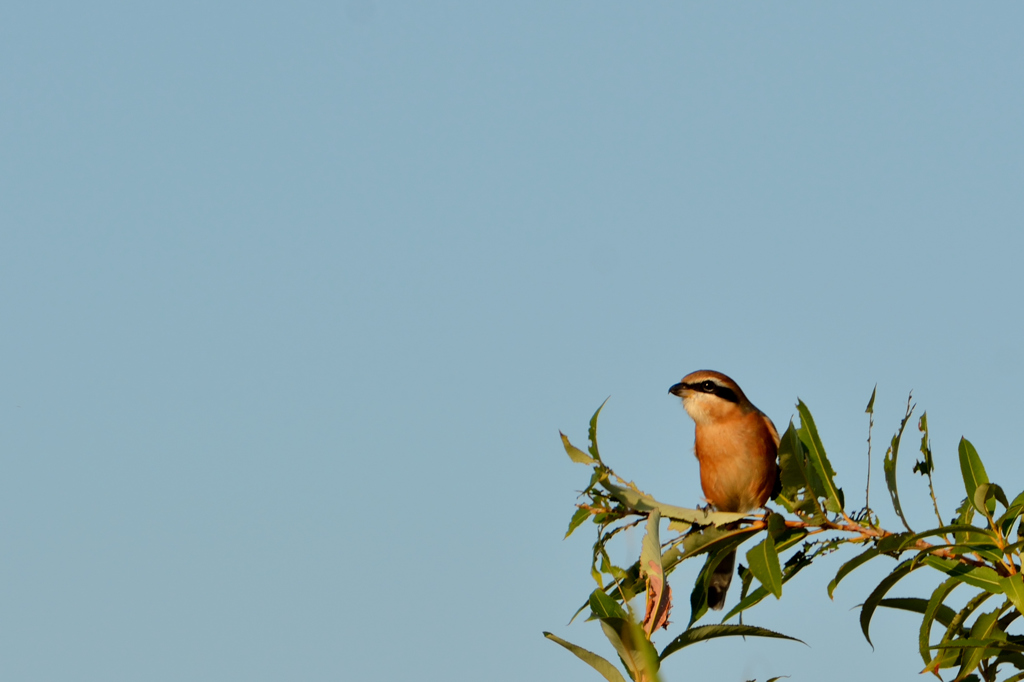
(771, 429)
(777, 488)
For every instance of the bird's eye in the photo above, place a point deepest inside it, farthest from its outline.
(708, 386)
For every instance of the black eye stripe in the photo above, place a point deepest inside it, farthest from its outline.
(711, 387)
(726, 394)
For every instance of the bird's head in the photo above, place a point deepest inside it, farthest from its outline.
(710, 396)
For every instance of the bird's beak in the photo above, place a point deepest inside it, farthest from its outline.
(678, 390)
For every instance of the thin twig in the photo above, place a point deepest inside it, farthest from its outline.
(871, 424)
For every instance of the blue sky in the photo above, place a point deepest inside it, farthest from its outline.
(295, 300)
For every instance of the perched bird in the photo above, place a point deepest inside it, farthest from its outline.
(736, 446)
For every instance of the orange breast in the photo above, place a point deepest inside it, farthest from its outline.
(737, 462)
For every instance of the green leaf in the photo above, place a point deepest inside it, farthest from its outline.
(575, 454)
(985, 497)
(658, 595)
(889, 467)
(985, 629)
(849, 566)
(756, 596)
(784, 536)
(935, 610)
(712, 539)
(634, 499)
(611, 569)
(970, 643)
(818, 460)
(978, 576)
(764, 562)
(794, 565)
(1013, 587)
(699, 595)
(798, 487)
(917, 605)
(776, 525)
(604, 606)
(870, 409)
(973, 471)
(927, 464)
(708, 539)
(788, 538)
(746, 578)
(578, 517)
(650, 551)
(971, 534)
(635, 650)
(592, 433)
(947, 657)
(956, 626)
(868, 608)
(706, 632)
(607, 670)
(964, 515)
(1012, 513)
(892, 543)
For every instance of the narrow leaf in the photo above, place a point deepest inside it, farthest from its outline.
(818, 460)
(756, 596)
(870, 409)
(985, 629)
(955, 629)
(971, 467)
(634, 499)
(978, 576)
(917, 605)
(604, 606)
(985, 497)
(798, 487)
(892, 543)
(971, 533)
(635, 650)
(982, 494)
(868, 608)
(970, 643)
(849, 566)
(1013, 511)
(794, 565)
(927, 464)
(764, 562)
(659, 594)
(575, 454)
(706, 632)
(1013, 586)
(889, 467)
(607, 670)
(712, 539)
(592, 433)
(935, 610)
(578, 517)
(699, 595)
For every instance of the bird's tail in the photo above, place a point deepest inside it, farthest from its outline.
(720, 580)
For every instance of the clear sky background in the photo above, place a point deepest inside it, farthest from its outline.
(295, 298)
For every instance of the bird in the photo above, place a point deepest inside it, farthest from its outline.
(736, 446)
